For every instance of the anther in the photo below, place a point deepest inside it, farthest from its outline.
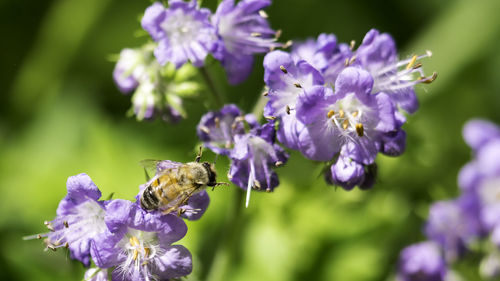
(431, 79)
(205, 129)
(287, 109)
(428, 53)
(228, 144)
(352, 60)
(217, 122)
(134, 241)
(288, 44)
(268, 189)
(52, 248)
(330, 114)
(256, 184)
(65, 223)
(355, 113)
(49, 226)
(256, 34)
(352, 44)
(297, 85)
(283, 69)
(265, 94)
(229, 177)
(136, 254)
(66, 245)
(38, 236)
(270, 117)
(417, 66)
(345, 124)
(278, 33)
(341, 113)
(360, 129)
(346, 62)
(147, 251)
(278, 163)
(263, 14)
(412, 62)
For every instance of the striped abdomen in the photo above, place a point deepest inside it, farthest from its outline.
(149, 201)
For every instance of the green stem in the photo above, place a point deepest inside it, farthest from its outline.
(218, 98)
(228, 244)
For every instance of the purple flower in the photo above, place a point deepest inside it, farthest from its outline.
(346, 173)
(138, 244)
(421, 262)
(183, 32)
(454, 225)
(316, 52)
(129, 69)
(377, 54)
(253, 157)
(286, 81)
(477, 133)
(218, 128)
(79, 220)
(244, 31)
(351, 117)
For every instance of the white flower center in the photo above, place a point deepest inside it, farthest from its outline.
(349, 116)
(181, 28)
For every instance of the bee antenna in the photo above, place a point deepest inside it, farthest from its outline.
(198, 157)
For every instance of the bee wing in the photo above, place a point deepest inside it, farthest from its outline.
(153, 167)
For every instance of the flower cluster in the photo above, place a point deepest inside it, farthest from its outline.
(185, 32)
(343, 106)
(122, 240)
(250, 146)
(158, 90)
(454, 227)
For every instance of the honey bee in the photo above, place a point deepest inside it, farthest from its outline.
(175, 183)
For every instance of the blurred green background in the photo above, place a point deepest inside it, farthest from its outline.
(60, 115)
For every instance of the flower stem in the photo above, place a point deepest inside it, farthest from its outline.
(228, 244)
(218, 98)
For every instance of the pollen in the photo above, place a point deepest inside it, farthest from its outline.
(330, 114)
(360, 130)
(134, 241)
(345, 124)
(412, 62)
(341, 113)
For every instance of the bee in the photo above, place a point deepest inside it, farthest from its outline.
(175, 183)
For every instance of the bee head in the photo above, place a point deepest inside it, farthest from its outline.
(212, 174)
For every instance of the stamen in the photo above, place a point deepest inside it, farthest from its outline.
(352, 60)
(352, 44)
(66, 245)
(345, 124)
(330, 114)
(360, 129)
(268, 190)
(283, 69)
(49, 226)
(297, 85)
(147, 251)
(428, 80)
(270, 117)
(355, 114)
(278, 163)
(265, 94)
(256, 184)
(412, 62)
(136, 254)
(205, 129)
(263, 14)
(217, 122)
(288, 44)
(256, 34)
(417, 66)
(278, 33)
(134, 241)
(38, 236)
(346, 62)
(65, 223)
(341, 113)
(287, 110)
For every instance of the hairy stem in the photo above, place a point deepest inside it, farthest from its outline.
(218, 98)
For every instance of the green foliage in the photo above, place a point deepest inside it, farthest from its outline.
(61, 115)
